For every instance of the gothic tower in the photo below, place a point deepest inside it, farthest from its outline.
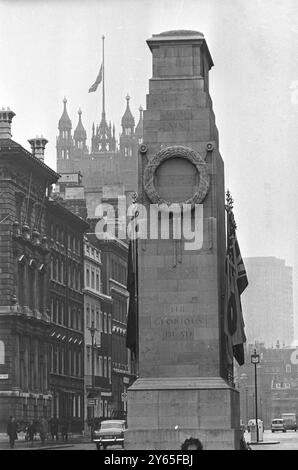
(64, 143)
(127, 137)
(139, 127)
(80, 137)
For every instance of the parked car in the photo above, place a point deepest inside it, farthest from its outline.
(290, 420)
(278, 424)
(110, 433)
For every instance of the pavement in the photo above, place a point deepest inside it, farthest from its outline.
(280, 441)
(276, 441)
(22, 444)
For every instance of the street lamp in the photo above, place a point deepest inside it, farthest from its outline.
(243, 382)
(92, 330)
(255, 359)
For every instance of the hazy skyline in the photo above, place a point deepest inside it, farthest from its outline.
(52, 49)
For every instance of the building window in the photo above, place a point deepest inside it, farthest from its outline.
(31, 275)
(92, 279)
(110, 323)
(63, 321)
(2, 353)
(21, 283)
(78, 279)
(97, 320)
(97, 282)
(101, 371)
(105, 327)
(288, 368)
(19, 202)
(101, 322)
(62, 271)
(110, 369)
(40, 291)
(87, 277)
(104, 367)
(88, 316)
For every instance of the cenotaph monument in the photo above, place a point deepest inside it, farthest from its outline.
(181, 389)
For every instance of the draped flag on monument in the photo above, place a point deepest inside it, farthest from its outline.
(132, 321)
(97, 81)
(236, 283)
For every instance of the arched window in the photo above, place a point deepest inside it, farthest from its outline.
(2, 353)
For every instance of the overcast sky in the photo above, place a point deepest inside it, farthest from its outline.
(51, 49)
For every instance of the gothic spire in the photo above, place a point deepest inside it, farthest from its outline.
(127, 118)
(64, 121)
(80, 132)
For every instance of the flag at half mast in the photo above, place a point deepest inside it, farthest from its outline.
(97, 81)
(132, 287)
(236, 283)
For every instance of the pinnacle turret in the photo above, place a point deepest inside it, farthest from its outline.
(64, 121)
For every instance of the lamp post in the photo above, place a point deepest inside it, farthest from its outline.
(243, 383)
(92, 330)
(255, 359)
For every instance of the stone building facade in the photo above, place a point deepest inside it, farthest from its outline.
(66, 303)
(98, 315)
(114, 277)
(25, 184)
(277, 381)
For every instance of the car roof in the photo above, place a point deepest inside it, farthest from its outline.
(113, 421)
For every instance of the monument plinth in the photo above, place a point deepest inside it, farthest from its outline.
(181, 390)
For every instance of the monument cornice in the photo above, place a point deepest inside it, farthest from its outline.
(181, 383)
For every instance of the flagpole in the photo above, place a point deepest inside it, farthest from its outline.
(103, 77)
(135, 252)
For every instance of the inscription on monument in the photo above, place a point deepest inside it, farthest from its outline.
(179, 327)
(174, 125)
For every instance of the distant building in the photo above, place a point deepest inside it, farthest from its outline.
(109, 168)
(25, 186)
(114, 277)
(277, 378)
(66, 303)
(98, 320)
(268, 301)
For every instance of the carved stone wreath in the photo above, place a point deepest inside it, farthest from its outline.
(167, 153)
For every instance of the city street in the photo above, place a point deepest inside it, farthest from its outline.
(287, 441)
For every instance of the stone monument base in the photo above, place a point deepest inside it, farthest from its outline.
(163, 412)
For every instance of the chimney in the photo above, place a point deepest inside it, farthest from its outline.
(6, 116)
(37, 146)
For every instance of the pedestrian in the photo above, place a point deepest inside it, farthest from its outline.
(64, 429)
(192, 444)
(12, 431)
(43, 430)
(35, 428)
(30, 431)
(54, 425)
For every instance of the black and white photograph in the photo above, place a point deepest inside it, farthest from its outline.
(149, 227)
